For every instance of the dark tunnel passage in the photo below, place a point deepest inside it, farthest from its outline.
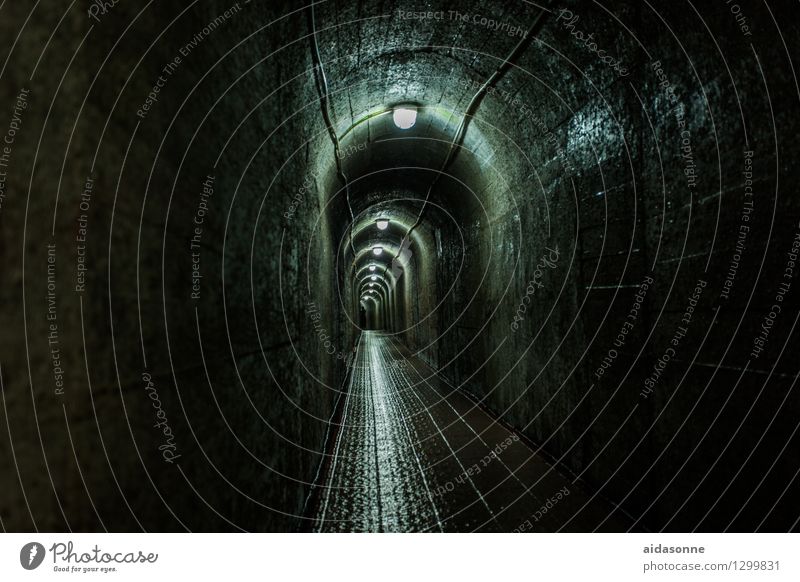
(401, 266)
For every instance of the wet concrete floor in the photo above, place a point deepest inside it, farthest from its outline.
(414, 455)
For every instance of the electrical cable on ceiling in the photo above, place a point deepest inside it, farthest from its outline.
(322, 86)
(469, 113)
(458, 138)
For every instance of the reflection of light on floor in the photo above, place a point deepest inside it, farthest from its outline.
(378, 481)
(406, 439)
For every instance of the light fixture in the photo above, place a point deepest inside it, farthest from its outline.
(377, 251)
(404, 118)
(372, 284)
(382, 224)
(372, 267)
(373, 278)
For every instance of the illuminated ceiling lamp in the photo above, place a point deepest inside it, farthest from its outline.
(373, 278)
(376, 250)
(372, 267)
(382, 223)
(404, 118)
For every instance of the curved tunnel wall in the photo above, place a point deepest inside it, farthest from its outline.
(573, 156)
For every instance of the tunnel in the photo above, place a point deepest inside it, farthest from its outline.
(399, 266)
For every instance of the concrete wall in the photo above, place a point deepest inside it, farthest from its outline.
(248, 406)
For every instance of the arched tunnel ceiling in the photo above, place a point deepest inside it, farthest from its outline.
(396, 61)
(382, 162)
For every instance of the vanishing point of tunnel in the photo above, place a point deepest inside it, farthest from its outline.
(399, 266)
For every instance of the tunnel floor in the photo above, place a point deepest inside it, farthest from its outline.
(414, 454)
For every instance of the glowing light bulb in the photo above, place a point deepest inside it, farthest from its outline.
(382, 224)
(372, 267)
(404, 118)
(377, 251)
(373, 278)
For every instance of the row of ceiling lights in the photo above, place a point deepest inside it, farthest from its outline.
(377, 250)
(404, 118)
